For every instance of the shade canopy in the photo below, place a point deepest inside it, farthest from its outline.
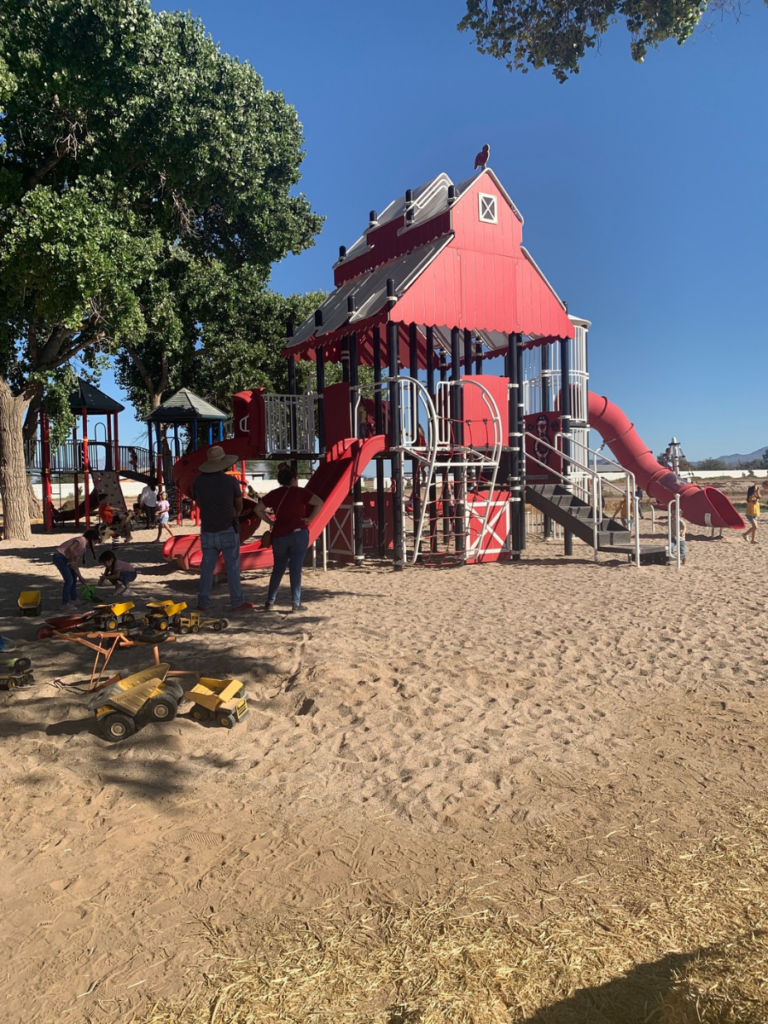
(89, 398)
(186, 407)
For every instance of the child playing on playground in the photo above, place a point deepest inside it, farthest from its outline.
(163, 516)
(673, 545)
(119, 574)
(753, 513)
(106, 512)
(66, 558)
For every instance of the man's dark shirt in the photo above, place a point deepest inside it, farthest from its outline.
(215, 494)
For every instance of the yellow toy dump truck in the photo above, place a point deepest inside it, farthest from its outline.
(218, 700)
(194, 622)
(163, 615)
(30, 603)
(146, 693)
(15, 672)
(111, 617)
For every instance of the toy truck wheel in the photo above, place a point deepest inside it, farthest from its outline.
(162, 709)
(161, 624)
(217, 627)
(194, 629)
(226, 719)
(201, 714)
(116, 726)
(224, 623)
(111, 625)
(184, 630)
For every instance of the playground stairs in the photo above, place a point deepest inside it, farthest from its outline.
(577, 517)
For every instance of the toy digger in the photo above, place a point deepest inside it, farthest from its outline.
(146, 693)
(15, 672)
(163, 615)
(193, 622)
(219, 700)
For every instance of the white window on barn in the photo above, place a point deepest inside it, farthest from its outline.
(487, 208)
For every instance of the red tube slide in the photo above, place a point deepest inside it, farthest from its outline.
(702, 506)
(331, 481)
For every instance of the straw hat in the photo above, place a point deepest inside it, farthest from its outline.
(217, 460)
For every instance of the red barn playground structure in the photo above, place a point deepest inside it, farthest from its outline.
(480, 385)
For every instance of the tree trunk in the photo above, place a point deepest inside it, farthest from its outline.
(13, 473)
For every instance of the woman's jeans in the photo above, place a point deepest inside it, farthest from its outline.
(69, 593)
(226, 542)
(288, 553)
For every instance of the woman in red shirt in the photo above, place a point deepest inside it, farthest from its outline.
(294, 508)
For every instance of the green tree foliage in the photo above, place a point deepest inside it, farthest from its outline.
(710, 464)
(225, 334)
(133, 154)
(557, 34)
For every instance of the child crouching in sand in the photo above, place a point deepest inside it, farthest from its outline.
(119, 574)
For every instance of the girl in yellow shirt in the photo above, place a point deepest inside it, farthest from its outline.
(753, 512)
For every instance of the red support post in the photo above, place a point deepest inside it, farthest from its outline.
(45, 439)
(86, 482)
(75, 474)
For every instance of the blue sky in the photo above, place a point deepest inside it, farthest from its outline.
(643, 187)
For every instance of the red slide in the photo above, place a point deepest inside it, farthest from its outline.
(331, 481)
(702, 506)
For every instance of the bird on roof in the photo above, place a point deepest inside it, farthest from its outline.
(483, 157)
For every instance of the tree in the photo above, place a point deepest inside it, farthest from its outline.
(557, 34)
(127, 137)
(710, 464)
(226, 334)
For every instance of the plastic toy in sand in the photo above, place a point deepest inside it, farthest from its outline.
(194, 622)
(15, 672)
(30, 603)
(111, 617)
(147, 694)
(163, 615)
(218, 700)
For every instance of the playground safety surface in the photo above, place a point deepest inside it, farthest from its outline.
(576, 752)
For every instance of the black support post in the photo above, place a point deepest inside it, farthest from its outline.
(521, 439)
(413, 369)
(320, 379)
(565, 420)
(457, 419)
(516, 495)
(479, 358)
(357, 487)
(393, 342)
(467, 351)
(546, 405)
(432, 497)
(381, 508)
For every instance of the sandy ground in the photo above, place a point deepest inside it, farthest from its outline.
(407, 732)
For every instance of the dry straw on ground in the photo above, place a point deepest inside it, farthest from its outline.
(674, 935)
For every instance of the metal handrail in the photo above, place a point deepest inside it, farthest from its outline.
(676, 502)
(597, 487)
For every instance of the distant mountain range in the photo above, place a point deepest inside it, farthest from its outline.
(734, 460)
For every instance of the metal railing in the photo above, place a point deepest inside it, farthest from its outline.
(68, 457)
(291, 423)
(677, 553)
(595, 489)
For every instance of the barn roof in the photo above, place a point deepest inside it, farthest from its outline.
(450, 268)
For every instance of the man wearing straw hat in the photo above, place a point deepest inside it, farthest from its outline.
(220, 502)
